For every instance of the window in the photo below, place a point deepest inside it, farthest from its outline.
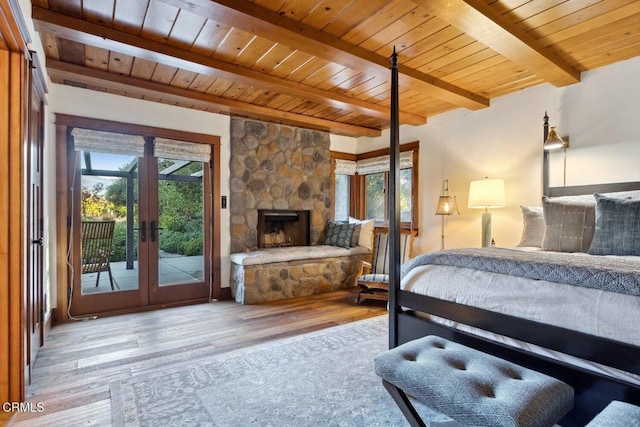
(342, 196)
(364, 182)
(375, 186)
(375, 199)
(406, 195)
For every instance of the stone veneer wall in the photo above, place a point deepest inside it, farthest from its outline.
(276, 167)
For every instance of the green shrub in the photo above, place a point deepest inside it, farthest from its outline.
(193, 247)
(187, 243)
(120, 242)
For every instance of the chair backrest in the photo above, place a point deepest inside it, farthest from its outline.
(97, 241)
(381, 248)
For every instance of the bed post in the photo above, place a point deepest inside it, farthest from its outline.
(545, 156)
(394, 206)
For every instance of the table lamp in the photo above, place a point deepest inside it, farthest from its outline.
(486, 193)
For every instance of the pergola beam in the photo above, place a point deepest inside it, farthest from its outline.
(179, 164)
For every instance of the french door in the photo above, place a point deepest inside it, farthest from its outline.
(141, 221)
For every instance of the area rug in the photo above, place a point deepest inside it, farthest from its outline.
(324, 378)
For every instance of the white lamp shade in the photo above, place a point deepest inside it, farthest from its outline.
(486, 193)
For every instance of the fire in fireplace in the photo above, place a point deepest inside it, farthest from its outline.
(283, 228)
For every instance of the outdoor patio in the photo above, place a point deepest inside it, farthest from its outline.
(174, 269)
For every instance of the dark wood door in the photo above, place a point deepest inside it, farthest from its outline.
(35, 225)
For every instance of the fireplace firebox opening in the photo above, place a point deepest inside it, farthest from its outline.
(278, 228)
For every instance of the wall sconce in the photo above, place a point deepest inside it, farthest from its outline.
(486, 193)
(555, 142)
(447, 205)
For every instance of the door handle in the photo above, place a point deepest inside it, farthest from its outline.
(143, 231)
(37, 241)
(154, 231)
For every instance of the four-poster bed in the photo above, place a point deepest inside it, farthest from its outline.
(534, 344)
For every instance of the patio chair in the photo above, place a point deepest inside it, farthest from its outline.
(97, 245)
(374, 277)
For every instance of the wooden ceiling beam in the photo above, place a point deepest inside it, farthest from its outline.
(262, 22)
(212, 103)
(110, 39)
(478, 20)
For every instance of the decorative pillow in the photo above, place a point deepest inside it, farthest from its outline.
(617, 229)
(355, 237)
(569, 224)
(629, 195)
(339, 234)
(366, 232)
(533, 228)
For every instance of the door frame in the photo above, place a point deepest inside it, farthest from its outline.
(64, 124)
(13, 304)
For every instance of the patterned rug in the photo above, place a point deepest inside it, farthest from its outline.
(324, 378)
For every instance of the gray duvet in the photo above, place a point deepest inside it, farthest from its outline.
(614, 274)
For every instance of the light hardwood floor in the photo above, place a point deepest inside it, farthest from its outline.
(74, 368)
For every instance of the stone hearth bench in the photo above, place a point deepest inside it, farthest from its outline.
(276, 273)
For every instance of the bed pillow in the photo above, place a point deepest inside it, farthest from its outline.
(533, 226)
(569, 224)
(617, 229)
(339, 234)
(366, 232)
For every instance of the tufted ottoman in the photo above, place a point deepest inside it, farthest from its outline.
(617, 414)
(469, 386)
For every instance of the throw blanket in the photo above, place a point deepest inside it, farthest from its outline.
(620, 274)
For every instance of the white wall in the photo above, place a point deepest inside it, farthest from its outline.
(86, 103)
(345, 144)
(600, 115)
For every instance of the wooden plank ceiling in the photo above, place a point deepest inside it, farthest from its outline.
(323, 64)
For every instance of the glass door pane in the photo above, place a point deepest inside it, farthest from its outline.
(180, 228)
(109, 214)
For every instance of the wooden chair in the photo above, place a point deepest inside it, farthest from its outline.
(374, 277)
(97, 246)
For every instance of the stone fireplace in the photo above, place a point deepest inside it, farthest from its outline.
(280, 227)
(277, 167)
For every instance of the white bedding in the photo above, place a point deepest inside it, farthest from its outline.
(596, 312)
